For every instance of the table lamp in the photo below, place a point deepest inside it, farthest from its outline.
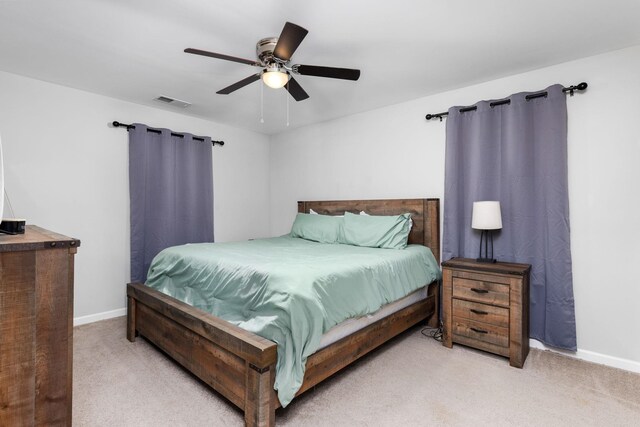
(486, 216)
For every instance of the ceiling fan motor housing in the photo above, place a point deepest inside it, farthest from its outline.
(264, 49)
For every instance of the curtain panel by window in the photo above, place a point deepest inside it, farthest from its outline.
(171, 193)
(517, 154)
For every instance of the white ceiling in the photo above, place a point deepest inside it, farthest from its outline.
(406, 49)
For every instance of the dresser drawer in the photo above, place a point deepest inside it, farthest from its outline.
(481, 291)
(481, 312)
(485, 332)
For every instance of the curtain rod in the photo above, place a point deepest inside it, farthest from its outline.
(197, 138)
(570, 89)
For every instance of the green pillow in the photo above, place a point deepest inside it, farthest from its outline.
(318, 228)
(391, 232)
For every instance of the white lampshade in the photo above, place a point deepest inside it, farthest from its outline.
(486, 216)
(275, 79)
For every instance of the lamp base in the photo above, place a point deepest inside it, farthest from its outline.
(486, 257)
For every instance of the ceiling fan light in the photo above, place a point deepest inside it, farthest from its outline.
(275, 79)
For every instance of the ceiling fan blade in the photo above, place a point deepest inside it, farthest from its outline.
(221, 56)
(289, 40)
(237, 85)
(332, 72)
(296, 90)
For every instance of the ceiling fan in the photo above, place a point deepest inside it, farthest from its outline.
(274, 55)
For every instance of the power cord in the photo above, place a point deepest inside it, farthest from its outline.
(6, 195)
(435, 333)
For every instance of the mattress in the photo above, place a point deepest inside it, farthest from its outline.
(290, 290)
(354, 324)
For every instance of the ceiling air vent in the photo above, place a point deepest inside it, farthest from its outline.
(172, 101)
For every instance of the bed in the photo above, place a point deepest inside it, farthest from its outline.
(241, 365)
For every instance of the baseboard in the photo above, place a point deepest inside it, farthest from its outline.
(83, 320)
(592, 356)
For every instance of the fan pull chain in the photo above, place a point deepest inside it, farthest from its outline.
(287, 95)
(261, 102)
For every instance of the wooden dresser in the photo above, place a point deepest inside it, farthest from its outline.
(36, 327)
(486, 306)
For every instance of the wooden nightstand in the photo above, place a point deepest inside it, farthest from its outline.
(486, 306)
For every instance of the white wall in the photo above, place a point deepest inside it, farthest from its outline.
(67, 171)
(394, 152)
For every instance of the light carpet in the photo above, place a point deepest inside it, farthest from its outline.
(410, 381)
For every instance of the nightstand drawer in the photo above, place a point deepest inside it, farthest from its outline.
(481, 291)
(481, 312)
(481, 331)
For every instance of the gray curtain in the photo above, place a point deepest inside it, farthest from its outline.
(517, 154)
(171, 192)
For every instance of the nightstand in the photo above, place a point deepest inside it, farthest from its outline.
(486, 306)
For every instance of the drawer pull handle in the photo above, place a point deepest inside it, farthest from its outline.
(480, 331)
(473, 310)
(480, 291)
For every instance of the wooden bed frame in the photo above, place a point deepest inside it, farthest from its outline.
(241, 365)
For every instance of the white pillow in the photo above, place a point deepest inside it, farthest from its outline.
(312, 212)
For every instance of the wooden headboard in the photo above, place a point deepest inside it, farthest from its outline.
(425, 214)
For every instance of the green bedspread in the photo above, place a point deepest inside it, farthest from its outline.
(290, 290)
